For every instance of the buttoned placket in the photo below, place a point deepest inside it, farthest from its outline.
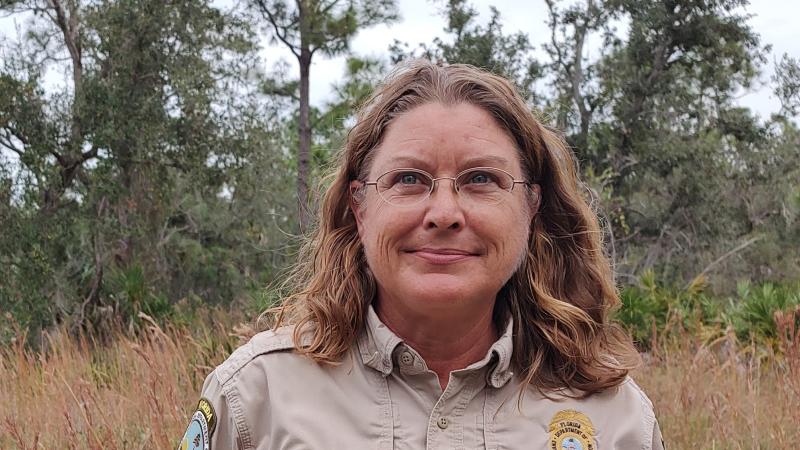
(445, 421)
(395, 362)
(461, 390)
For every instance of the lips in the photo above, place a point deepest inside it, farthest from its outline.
(442, 255)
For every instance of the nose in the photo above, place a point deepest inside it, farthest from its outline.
(443, 208)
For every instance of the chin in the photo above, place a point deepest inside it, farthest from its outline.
(443, 289)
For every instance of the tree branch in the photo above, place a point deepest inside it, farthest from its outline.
(727, 255)
(70, 29)
(60, 158)
(274, 22)
(324, 11)
(577, 78)
(553, 26)
(94, 293)
(89, 154)
(6, 142)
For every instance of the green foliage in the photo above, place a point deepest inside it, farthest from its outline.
(485, 46)
(651, 311)
(131, 294)
(325, 26)
(753, 310)
(650, 308)
(787, 89)
(160, 177)
(330, 125)
(154, 177)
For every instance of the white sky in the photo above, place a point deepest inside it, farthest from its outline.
(774, 20)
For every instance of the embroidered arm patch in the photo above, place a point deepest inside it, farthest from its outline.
(198, 433)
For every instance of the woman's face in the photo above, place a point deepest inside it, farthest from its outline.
(447, 251)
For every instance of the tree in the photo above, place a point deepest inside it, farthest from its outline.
(787, 89)
(113, 174)
(488, 47)
(574, 79)
(23, 124)
(672, 136)
(307, 27)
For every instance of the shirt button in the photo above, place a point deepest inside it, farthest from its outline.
(442, 422)
(406, 358)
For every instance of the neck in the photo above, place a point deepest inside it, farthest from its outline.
(446, 344)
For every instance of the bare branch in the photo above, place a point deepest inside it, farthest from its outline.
(577, 75)
(60, 158)
(274, 22)
(324, 11)
(727, 255)
(89, 154)
(553, 26)
(17, 134)
(70, 30)
(8, 143)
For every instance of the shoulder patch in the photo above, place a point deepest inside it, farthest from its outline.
(198, 433)
(571, 430)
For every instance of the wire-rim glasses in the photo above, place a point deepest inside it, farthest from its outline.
(480, 185)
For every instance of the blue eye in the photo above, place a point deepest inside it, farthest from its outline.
(408, 178)
(479, 178)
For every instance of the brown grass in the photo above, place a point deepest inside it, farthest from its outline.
(725, 395)
(139, 392)
(135, 394)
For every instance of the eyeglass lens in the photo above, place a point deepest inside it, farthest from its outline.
(483, 185)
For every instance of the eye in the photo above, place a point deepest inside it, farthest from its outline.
(408, 178)
(405, 181)
(479, 177)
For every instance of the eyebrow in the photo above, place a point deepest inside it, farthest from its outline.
(485, 160)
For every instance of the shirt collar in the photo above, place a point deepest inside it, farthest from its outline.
(377, 343)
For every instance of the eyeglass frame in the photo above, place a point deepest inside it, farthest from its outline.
(434, 181)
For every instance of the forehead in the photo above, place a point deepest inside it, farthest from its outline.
(438, 137)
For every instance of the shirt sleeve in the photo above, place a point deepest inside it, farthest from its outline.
(214, 414)
(658, 440)
(225, 436)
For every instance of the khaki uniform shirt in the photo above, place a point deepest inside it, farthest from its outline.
(382, 396)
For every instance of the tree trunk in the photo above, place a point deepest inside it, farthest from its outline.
(304, 128)
(582, 139)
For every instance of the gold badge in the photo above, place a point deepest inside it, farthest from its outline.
(571, 430)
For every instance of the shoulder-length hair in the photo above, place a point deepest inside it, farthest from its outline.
(560, 298)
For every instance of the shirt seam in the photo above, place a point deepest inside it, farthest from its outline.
(648, 413)
(238, 362)
(233, 400)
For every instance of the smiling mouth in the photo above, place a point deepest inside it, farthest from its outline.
(442, 256)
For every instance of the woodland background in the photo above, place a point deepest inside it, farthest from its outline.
(151, 203)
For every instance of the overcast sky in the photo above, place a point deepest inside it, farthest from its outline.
(775, 20)
(421, 21)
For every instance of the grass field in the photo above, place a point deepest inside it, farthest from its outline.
(137, 393)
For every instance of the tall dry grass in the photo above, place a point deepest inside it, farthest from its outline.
(725, 394)
(138, 393)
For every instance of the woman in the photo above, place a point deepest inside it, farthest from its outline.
(455, 294)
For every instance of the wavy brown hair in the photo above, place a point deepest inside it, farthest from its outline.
(560, 298)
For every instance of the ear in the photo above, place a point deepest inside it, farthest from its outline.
(535, 199)
(356, 200)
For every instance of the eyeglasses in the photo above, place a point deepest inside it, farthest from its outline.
(480, 185)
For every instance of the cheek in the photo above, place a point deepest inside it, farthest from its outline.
(512, 234)
(382, 232)
(377, 246)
